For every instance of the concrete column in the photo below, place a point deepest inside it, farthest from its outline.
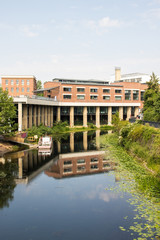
(97, 117)
(39, 115)
(59, 146)
(109, 115)
(19, 117)
(58, 114)
(121, 113)
(42, 108)
(136, 112)
(71, 116)
(98, 139)
(128, 113)
(45, 115)
(25, 118)
(35, 115)
(84, 116)
(30, 116)
(20, 168)
(85, 141)
(72, 142)
(51, 116)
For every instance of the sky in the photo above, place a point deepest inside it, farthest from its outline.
(82, 39)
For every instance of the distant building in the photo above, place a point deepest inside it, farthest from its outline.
(19, 85)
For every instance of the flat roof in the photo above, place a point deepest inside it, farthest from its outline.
(18, 76)
(44, 89)
(80, 80)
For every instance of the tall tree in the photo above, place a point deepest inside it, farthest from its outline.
(7, 113)
(151, 107)
(39, 84)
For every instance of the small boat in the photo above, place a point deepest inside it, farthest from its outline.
(45, 142)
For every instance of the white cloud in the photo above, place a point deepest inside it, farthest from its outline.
(106, 22)
(32, 30)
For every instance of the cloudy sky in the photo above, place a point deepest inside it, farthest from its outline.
(82, 39)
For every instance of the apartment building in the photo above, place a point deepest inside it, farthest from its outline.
(19, 85)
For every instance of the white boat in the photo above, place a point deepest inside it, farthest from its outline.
(45, 142)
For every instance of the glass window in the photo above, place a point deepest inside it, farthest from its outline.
(135, 94)
(94, 97)
(94, 159)
(17, 89)
(6, 81)
(66, 170)
(17, 82)
(66, 96)
(22, 89)
(142, 96)
(12, 82)
(106, 90)
(12, 90)
(81, 168)
(27, 81)
(127, 94)
(67, 162)
(118, 98)
(106, 97)
(118, 91)
(80, 89)
(79, 161)
(80, 97)
(94, 166)
(94, 90)
(27, 89)
(22, 81)
(67, 89)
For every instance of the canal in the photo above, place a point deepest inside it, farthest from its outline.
(64, 193)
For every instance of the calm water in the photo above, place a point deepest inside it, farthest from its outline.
(61, 195)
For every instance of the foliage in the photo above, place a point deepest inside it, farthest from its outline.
(39, 84)
(117, 123)
(7, 113)
(151, 109)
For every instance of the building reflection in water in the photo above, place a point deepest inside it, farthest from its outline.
(77, 154)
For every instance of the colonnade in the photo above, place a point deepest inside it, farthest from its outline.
(29, 115)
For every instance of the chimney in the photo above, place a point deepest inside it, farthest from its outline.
(117, 74)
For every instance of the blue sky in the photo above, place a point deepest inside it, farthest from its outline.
(82, 39)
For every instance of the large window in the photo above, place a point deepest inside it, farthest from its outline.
(118, 98)
(118, 91)
(17, 82)
(67, 96)
(135, 94)
(28, 82)
(80, 161)
(67, 89)
(12, 82)
(22, 81)
(22, 89)
(27, 89)
(93, 97)
(80, 89)
(106, 90)
(17, 90)
(106, 97)
(12, 90)
(127, 94)
(80, 97)
(95, 90)
(6, 81)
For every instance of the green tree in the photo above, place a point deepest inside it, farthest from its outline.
(7, 113)
(39, 84)
(151, 109)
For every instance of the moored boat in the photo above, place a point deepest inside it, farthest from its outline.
(45, 142)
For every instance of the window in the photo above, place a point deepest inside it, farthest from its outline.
(81, 168)
(22, 89)
(67, 170)
(94, 159)
(118, 98)
(17, 90)
(127, 94)
(12, 82)
(135, 94)
(105, 90)
(67, 89)
(67, 163)
(12, 90)
(80, 97)
(106, 97)
(22, 81)
(79, 161)
(94, 97)
(80, 89)
(6, 81)
(95, 90)
(27, 81)
(17, 82)
(94, 166)
(6, 88)
(27, 89)
(118, 91)
(67, 96)
(142, 96)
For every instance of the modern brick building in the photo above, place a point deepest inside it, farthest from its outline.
(19, 85)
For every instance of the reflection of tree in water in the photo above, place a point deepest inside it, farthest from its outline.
(7, 183)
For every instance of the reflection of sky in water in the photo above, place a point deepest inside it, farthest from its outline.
(70, 208)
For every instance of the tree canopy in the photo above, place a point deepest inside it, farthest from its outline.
(39, 84)
(151, 109)
(7, 113)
